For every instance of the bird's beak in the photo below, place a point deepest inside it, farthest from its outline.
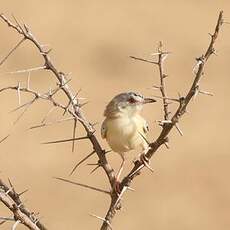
(149, 100)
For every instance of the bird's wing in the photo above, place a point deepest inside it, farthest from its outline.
(145, 127)
(103, 130)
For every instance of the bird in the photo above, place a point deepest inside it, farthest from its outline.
(124, 128)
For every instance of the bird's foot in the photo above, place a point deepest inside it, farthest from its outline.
(117, 183)
(145, 160)
(116, 186)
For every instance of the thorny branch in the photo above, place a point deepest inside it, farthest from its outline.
(21, 214)
(167, 127)
(73, 108)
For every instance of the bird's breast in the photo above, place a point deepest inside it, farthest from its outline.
(123, 133)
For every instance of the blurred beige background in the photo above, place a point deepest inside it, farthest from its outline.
(190, 188)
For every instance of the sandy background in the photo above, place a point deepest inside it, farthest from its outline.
(190, 188)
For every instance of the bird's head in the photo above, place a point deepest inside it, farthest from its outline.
(128, 103)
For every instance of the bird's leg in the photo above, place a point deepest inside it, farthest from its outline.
(145, 160)
(117, 182)
(120, 169)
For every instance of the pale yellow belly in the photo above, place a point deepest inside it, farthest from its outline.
(123, 134)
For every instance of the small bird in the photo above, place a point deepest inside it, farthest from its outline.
(124, 128)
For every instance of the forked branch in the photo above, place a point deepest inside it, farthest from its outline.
(74, 109)
(167, 126)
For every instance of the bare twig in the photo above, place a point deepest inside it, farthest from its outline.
(11, 51)
(66, 140)
(161, 57)
(51, 123)
(74, 134)
(83, 185)
(206, 93)
(103, 219)
(7, 218)
(4, 138)
(144, 60)
(16, 224)
(26, 70)
(81, 161)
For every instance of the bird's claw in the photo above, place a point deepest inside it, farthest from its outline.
(116, 186)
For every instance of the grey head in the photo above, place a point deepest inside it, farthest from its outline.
(127, 102)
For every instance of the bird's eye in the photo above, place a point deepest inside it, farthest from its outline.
(132, 100)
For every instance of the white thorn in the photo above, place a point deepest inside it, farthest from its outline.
(26, 70)
(178, 129)
(137, 170)
(10, 189)
(120, 195)
(16, 224)
(206, 93)
(196, 66)
(50, 91)
(20, 205)
(196, 92)
(131, 189)
(164, 57)
(81, 98)
(6, 218)
(19, 93)
(28, 81)
(154, 54)
(167, 145)
(45, 45)
(156, 87)
(164, 121)
(103, 219)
